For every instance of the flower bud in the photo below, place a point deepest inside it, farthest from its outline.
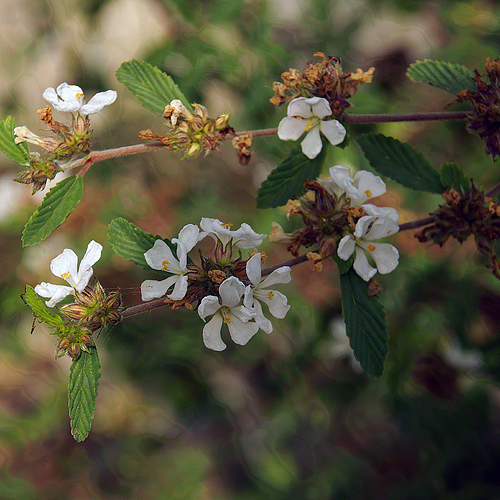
(74, 350)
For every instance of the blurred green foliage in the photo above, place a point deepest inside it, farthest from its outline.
(286, 416)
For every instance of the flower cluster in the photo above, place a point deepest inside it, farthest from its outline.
(463, 215)
(65, 141)
(338, 217)
(225, 286)
(322, 79)
(191, 132)
(93, 308)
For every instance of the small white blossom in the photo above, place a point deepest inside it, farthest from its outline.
(228, 310)
(258, 292)
(368, 229)
(69, 99)
(306, 115)
(161, 258)
(65, 266)
(364, 186)
(244, 237)
(25, 134)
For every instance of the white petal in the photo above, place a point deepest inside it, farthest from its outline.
(340, 180)
(98, 102)
(152, 289)
(64, 266)
(333, 130)
(369, 186)
(290, 129)
(241, 332)
(92, 255)
(362, 267)
(380, 228)
(346, 247)
(276, 301)
(319, 106)
(231, 291)
(211, 334)
(83, 278)
(180, 288)
(67, 98)
(53, 292)
(389, 212)
(160, 257)
(209, 305)
(253, 269)
(280, 275)
(311, 145)
(300, 106)
(386, 257)
(264, 324)
(189, 236)
(246, 237)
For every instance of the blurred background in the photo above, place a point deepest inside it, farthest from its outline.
(290, 415)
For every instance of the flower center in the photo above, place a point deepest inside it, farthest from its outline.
(368, 193)
(65, 276)
(270, 295)
(226, 318)
(227, 225)
(370, 247)
(165, 265)
(79, 95)
(311, 123)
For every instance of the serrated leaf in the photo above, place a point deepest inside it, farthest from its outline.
(401, 162)
(150, 85)
(58, 203)
(453, 176)
(83, 383)
(39, 308)
(285, 181)
(17, 152)
(131, 242)
(365, 323)
(448, 76)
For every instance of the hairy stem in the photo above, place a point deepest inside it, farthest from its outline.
(405, 117)
(416, 224)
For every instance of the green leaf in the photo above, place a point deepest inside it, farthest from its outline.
(285, 181)
(401, 162)
(151, 86)
(447, 76)
(58, 203)
(365, 323)
(452, 175)
(17, 152)
(39, 308)
(131, 242)
(82, 392)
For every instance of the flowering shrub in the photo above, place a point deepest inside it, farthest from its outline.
(339, 218)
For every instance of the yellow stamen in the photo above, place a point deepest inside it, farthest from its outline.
(270, 295)
(65, 276)
(227, 319)
(79, 95)
(227, 225)
(371, 247)
(165, 265)
(308, 126)
(368, 193)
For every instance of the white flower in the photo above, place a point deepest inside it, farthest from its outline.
(161, 258)
(258, 291)
(69, 99)
(230, 311)
(364, 186)
(368, 229)
(306, 115)
(245, 237)
(65, 266)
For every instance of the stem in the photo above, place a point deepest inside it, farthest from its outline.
(95, 156)
(144, 307)
(291, 262)
(416, 224)
(405, 117)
